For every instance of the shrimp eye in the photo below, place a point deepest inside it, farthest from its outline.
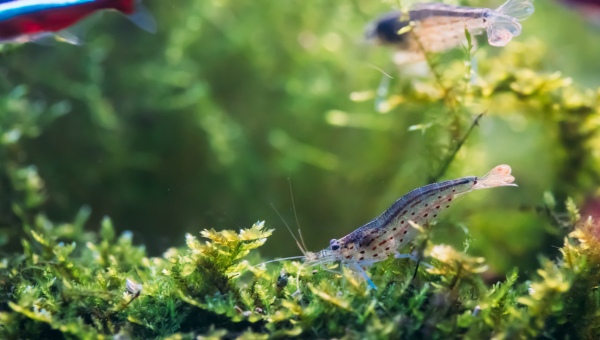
(334, 244)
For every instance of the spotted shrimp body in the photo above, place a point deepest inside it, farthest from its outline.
(392, 230)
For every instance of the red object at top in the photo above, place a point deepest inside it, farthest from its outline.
(30, 19)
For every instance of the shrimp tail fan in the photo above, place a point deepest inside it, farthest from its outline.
(501, 30)
(517, 9)
(504, 21)
(498, 177)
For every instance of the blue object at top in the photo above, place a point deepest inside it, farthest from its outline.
(13, 8)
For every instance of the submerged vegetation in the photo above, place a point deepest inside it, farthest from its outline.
(93, 284)
(77, 137)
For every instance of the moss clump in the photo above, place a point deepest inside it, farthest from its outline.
(88, 285)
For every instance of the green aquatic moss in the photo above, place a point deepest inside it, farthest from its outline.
(74, 284)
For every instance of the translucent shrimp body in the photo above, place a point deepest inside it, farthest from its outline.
(439, 27)
(385, 235)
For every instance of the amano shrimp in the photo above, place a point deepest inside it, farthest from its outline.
(392, 230)
(436, 27)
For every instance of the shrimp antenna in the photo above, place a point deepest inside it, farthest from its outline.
(289, 229)
(281, 259)
(296, 216)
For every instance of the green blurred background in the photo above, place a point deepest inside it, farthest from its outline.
(203, 124)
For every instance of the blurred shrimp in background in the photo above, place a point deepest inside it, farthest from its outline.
(436, 27)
